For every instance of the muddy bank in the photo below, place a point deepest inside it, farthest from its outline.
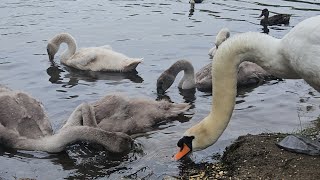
(257, 157)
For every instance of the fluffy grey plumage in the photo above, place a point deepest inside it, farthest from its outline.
(24, 125)
(117, 113)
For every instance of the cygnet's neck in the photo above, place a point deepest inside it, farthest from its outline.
(255, 47)
(70, 41)
(188, 80)
(58, 142)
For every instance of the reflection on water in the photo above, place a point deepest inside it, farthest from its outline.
(161, 32)
(265, 29)
(73, 76)
(188, 95)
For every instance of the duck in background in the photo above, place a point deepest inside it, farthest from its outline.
(273, 20)
(195, 1)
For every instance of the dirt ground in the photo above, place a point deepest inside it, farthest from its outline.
(257, 157)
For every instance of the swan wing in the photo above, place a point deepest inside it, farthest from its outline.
(302, 46)
(106, 47)
(83, 58)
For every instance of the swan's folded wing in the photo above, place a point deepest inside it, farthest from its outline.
(83, 58)
(106, 47)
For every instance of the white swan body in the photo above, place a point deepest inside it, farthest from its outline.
(24, 125)
(117, 113)
(295, 56)
(93, 58)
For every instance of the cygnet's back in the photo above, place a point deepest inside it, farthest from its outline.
(119, 114)
(23, 115)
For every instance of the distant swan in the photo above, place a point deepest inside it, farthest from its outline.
(24, 125)
(117, 113)
(295, 56)
(274, 20)
(222, 35)
(93, 58)
(248, 74)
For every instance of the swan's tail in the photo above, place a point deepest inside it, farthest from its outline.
(177, 109)
(133, 64)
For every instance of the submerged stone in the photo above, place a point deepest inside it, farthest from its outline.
(300, 144)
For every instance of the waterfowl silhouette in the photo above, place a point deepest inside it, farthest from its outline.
(274, 20)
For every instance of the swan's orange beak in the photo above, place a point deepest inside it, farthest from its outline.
(183, 151)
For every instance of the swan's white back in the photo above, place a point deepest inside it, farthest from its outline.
(302, 46)
(94, 58)
(101, 59)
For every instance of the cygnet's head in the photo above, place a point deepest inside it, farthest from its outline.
(164, 82)
(52, 49)
(222, 35)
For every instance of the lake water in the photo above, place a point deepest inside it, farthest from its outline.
(161, 32)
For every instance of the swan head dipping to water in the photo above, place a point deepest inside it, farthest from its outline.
(52, 50)
(189, 80)
(101, 58)
(167, 78)
(54, 45)
(295, 56)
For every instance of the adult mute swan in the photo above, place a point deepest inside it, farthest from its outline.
(93, 58)
(248, 74)
(118, 113)
(24, 125)
(295, 56)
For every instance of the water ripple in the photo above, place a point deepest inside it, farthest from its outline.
(162, 32)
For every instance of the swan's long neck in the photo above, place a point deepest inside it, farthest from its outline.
(255, 47)
(81, 126)
(70, 41)
(188, 80)
(58, 142)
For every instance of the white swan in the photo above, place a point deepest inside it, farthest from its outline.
(222, 35)
(93, 58)
(248, 74)
(295, 56)
(24, 125)
(117, 113)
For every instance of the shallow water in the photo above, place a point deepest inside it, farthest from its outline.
(161, 32)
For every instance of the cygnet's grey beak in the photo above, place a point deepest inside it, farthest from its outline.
(160, 91)
(51, 57)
